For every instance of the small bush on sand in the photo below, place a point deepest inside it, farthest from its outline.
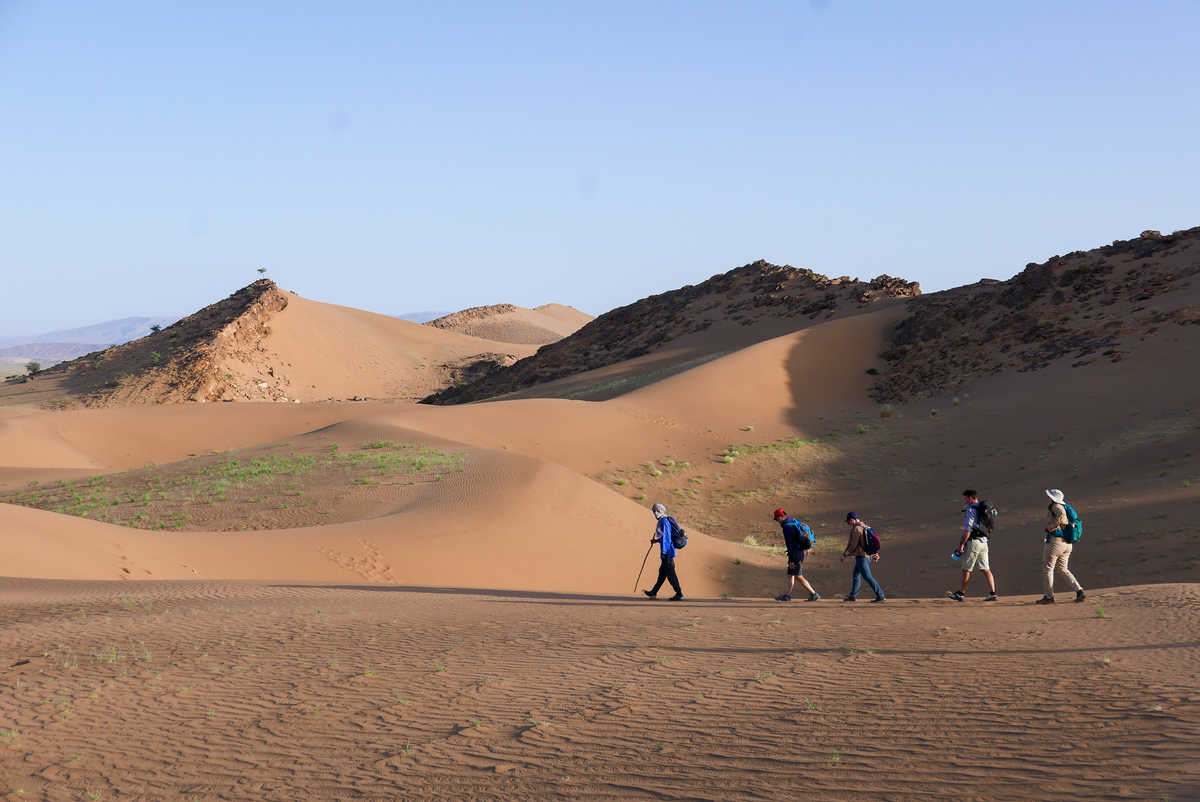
(886, 411)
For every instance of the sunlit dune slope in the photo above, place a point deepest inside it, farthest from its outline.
(262, 343)
(502, 521)
(514, 324)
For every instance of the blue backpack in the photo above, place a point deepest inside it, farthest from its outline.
(678, 535)
(1074, 528)
(804, 533)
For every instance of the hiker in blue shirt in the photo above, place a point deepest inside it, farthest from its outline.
(798, 543)
(666, 569)
(972, 548)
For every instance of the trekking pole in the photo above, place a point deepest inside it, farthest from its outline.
(638, 581)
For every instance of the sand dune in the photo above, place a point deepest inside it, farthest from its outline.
(515, 324)
(500, 522)
(787, 406)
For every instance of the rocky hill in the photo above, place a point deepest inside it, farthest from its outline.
(745, 305)
(1085, 306)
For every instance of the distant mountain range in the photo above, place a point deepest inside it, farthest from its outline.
(70, 343)
(110, 332)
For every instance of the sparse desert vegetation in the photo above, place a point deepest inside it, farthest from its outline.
(226, 492)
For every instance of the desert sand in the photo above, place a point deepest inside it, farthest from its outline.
(219, 690)
(379, 599)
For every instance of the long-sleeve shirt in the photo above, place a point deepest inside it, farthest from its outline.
(662, 535)
(1056, 519)
(855, 545)
(791, 538)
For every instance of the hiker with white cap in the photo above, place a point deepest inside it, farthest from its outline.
(667, 534)
(1062, 530)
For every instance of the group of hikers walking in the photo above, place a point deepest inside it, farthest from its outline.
(1063, 530)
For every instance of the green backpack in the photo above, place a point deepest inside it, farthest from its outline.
(1074, 528)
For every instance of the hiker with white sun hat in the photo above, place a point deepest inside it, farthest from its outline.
(1063, 529)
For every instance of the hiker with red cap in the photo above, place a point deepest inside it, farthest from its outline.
(799, 539)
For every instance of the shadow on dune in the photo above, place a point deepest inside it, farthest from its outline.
(449, 591)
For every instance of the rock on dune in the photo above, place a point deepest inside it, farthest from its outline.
(1086, 306)
(732, 310)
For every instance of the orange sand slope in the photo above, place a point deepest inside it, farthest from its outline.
(501, 522)
(321, 351)
(514, 324)
(206, 690)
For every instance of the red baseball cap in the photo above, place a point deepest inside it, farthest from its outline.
(779, 513)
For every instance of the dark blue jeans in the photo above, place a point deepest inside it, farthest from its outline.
(862, 570)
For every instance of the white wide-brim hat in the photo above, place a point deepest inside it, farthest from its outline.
(1056, 496)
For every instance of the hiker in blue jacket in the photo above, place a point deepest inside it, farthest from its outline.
(666, 569)
(798, 544)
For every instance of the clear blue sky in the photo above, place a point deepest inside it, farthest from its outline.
(408, 156)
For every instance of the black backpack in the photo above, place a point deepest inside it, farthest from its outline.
(871, 542)
(985, 517)
(678, 534)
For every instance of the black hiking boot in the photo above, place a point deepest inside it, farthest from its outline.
(990, 597)
(814, 596)
(954, 594)
(850, 598)
(650, 594)
(1080, 595)
(676, 597)
(878, 599)
(783, 597)
(1045, 600)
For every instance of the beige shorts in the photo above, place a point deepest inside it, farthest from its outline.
(976, 555)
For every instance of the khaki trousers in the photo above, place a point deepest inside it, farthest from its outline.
(1055, 555)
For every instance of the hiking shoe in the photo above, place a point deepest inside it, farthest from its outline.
(676, 597)
(1045, 600)
(815, 596)
(783, 597)
(954, 594)
(990, 597)
(878, 599)
(650, 594)
(850, 598)
(1080, 595)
